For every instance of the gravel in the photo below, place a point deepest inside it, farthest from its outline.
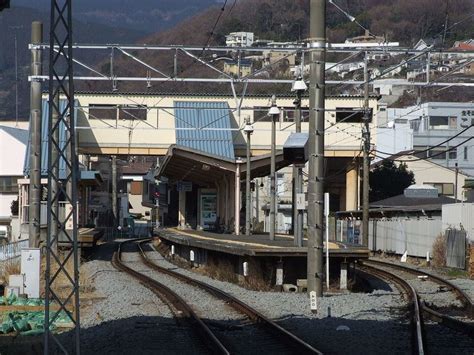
(342, 319)
(129, 318)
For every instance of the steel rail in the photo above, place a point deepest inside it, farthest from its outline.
(441, 318)
(463, 296)
(172, 298)
(412, 297)
(238, 305)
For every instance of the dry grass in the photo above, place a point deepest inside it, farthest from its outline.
(7, 268)
(61, 286)
(439, 251)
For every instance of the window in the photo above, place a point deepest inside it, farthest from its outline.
(465, 153)
(351, 115)
(286, 113)
(440, 122)
(415, 124)
(8, 184)
(437, 154)
(452, 154)
(133, 112)
(260, 114)
(443, 188)
(102, 112)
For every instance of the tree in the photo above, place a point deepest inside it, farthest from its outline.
(14, 207)
(388, 180)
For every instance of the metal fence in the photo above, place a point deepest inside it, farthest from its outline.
(395, 235)
(455, 248)
(12, 250)
(9, 254)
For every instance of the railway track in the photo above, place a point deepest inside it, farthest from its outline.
(428, 324)
(217, 339)
(460, 294)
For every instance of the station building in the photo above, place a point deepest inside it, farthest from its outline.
(201, 147)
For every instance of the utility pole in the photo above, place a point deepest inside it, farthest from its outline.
(456, 170)
(248, 207)
(366, 162)
(316, 147)
(257, 216)
(35, 139)
(274, 112)
(114, 192)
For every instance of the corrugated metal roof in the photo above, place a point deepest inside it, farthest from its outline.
(44, 142)
(192, 114)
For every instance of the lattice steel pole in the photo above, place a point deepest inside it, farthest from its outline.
(61, 139)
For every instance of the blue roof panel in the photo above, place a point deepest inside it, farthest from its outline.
(44, 141)
(192, 120)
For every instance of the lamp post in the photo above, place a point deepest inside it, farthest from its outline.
(274, 112)
(299, 86)
(248, 129)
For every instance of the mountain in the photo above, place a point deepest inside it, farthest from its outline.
(17, 21)
(405, 21)
(149, 16)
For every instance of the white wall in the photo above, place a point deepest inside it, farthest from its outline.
(12, 155)
(427, 172)
(5, 203)
(394, 140)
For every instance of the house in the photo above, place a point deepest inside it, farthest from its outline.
(449, 182)
(436, 122)
(239, 39)
(367, 37)
(13, 143)
(425, 43)
(238, 68)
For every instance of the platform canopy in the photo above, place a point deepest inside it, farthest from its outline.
(183, 163)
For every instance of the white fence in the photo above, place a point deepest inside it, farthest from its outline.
(9, 254)
(395, 235)
(12, 250)
(400, 234)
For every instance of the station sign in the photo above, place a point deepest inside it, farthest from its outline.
(184, 186)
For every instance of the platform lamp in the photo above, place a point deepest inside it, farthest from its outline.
(248, 129)
(274, 112)
(299, 86)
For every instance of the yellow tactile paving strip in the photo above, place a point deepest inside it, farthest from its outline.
(241, 243)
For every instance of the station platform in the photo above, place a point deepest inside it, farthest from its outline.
(255, 261)
(254, 245)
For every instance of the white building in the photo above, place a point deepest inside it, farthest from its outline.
(13, 143)
(239, 39)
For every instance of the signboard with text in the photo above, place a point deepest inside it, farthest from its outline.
(184, 186)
